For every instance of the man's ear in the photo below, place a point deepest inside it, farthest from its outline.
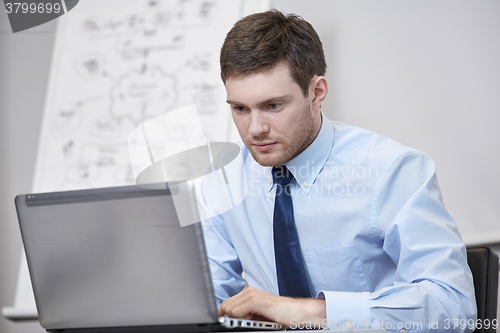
(318, 91)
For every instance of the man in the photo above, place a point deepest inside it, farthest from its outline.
(357, 235)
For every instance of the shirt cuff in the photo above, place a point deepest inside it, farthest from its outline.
(345, 310)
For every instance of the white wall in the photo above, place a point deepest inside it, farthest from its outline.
(425, 73)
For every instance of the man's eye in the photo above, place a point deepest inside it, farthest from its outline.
(239, 108)
(273, 106)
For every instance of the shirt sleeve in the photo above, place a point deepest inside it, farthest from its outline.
(224, 263)
(432, 288)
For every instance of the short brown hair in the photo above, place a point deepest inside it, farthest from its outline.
(260, 41)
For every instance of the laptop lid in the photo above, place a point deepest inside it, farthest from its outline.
(114, 257)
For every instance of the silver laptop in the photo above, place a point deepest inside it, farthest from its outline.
(117, 260)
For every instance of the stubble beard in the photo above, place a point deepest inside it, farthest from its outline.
(272, 158)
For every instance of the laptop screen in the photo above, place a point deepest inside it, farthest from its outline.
(114, 257)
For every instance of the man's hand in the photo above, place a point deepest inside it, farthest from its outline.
(255, 304)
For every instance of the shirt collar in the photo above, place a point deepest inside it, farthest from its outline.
(306, 166)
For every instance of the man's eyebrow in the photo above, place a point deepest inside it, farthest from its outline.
(269, 100)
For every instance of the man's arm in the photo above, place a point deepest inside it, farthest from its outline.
(432, 286)
(225, 266)
(227, 280)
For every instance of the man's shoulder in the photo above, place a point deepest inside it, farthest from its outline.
(359, 146)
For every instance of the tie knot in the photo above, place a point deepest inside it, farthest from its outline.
(283, 175)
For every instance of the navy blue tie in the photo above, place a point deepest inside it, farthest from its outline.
(292, 278)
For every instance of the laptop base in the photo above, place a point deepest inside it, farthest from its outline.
(195, 328)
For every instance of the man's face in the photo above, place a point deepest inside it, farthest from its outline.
(274, 118)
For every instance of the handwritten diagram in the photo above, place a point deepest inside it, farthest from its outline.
(119, 63)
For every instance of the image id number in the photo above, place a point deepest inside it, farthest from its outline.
(462, 324)
(24, 7)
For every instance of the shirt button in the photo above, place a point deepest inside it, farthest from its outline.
(306, 184)
(269, 181)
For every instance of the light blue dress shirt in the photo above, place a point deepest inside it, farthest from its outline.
(377, 241)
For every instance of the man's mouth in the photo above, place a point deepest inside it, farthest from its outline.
(265, 146)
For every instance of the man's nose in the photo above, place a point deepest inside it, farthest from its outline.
(258, 124)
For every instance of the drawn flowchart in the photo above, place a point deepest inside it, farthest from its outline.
(118, 65)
